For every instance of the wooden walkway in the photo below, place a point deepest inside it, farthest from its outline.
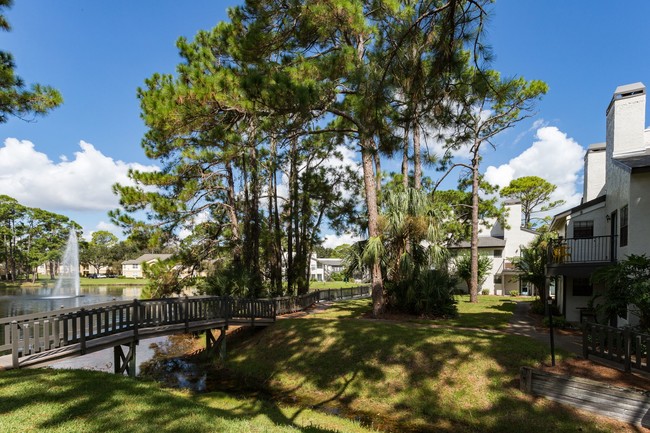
(40, 338)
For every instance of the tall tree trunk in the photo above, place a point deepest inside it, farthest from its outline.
(274, 259)
(367, 150)
(405, 161)
(417, 158)
(232, 214)
(254, 227)
(377, 160)
(293, 191)
(303, 234)
(473, 287)
(277, 238)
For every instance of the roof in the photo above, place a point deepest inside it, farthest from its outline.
(636, 160)
(580, 207)
(626, 91)
(146, 258)
(331, 261)
(483, 242)
(597, 146)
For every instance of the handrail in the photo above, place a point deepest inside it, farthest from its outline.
(594, 249)
(40, 333)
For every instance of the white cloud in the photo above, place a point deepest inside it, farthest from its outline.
(333, 240)
(83, 183)
(553, 157)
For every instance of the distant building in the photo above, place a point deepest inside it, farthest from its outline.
(501, 245)
(321, 269)
(613, 220)
(133, 268)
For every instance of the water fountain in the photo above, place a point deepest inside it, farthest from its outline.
(67, 284)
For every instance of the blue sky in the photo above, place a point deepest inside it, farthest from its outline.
(98, 53)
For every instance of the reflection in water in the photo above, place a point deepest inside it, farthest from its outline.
(19, 301)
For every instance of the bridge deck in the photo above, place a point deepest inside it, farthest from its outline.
(42, 338)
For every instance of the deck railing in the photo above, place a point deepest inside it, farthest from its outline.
(582, 250)
(623, 346)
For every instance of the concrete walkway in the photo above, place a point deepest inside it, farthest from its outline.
(522, 324)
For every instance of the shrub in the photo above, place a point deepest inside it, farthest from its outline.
(485, 292)
(539, 307)
(430, 294)
(337, 276)
(514, 293)
(558, 322)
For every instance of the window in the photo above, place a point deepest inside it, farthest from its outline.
(498, 279)
(497, 253)
(624, 223)
(583, 229)
(582, 287)
(136, 266)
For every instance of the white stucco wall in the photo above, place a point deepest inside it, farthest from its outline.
(573, 303)
(639, 214)
(627, 118)
(595, 173)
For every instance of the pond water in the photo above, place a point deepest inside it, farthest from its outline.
(18, 301)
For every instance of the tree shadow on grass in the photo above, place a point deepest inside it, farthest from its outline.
(404, 377)
(86, 401)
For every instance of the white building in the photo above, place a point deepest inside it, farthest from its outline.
(321, 269)
(501, 245)
(133, 268)
(613, 220)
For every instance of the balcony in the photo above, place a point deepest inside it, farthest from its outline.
(580, 253)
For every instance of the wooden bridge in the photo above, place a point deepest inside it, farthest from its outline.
(41, 338)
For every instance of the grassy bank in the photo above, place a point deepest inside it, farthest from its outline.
(47, 282)
(395, 376)
(411, 376)
(85, 401)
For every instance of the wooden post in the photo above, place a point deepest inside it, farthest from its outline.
(221, 342)
(82, 330)
(585, 340)
(15, 347)
(124, 363)
(627, 341)
(186, 312)
(136, 319)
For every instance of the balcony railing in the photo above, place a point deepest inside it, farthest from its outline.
(596, 249)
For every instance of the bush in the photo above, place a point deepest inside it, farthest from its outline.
(539, 307)
(429, 294)
(485, 292)
(337, 276)
(514, 293)
(558, 322)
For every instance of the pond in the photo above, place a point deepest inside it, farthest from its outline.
(19, 301)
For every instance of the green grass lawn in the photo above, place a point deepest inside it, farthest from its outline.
(413, 376)
(43, 281)
(85, 401)
(408, 376)
(318, 285)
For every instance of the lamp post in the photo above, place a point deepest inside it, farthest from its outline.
(550, 326)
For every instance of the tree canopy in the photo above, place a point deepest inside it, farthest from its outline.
(534, 193)
(15, 99)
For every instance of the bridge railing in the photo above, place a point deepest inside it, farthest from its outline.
(290, 304)
(41, 332)
(35, 333)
